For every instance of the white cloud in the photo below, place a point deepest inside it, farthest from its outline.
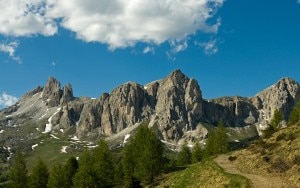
(7, 100)
(298, 1)
(25, 18)
(10, 48)
(178, 46)
(210, 47)
(117, 23)
(149, 49)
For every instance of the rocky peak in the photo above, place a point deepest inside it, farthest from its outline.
(33, 92)
(282, 95)
(179, 105)
(67, 94)
(177, 77)
(52, 92)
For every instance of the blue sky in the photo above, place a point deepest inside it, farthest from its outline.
(231, 47)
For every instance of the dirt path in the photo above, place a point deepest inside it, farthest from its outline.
(257, 180)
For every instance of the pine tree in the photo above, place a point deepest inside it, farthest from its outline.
(222, 139)
(185, 155)
(69, 171)
(217, 141)
(197, 153)
(277, 119)
(103, 165)
(295, 115)
(128, 164)
(85, 176)
(56, 177)
(274, 125)
(18, 172)
(39, 176)
(143, 156)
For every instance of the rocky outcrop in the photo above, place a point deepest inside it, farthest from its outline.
(233, 111)
(54, 95)
(179, 105)
(173, 106)
(125, 106)
(282, 95)
(67, 95)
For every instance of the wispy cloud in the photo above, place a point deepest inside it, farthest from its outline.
(118, 24)
(210, 47)
(7, 100)
(178, 46)
(10, 48)
(149, 49)
(298, 1)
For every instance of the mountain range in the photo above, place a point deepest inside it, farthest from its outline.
(173, 106)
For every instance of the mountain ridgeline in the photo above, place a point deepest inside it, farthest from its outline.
(173, 106)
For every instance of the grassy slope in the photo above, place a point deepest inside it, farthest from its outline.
(277, 156)
(203, 174)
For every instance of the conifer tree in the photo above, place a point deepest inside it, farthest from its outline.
(217, 141)
(295, 114)
(185, 155)
(85, 176)
(197, 153)
(277, 119)
(39, 176)
(56, 176)
(18, 172)
(69, 171)
(143, 156)
(222, 139)
(274, 125)
(103, 165)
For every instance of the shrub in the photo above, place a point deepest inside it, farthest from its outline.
(279, 165)
(232, 158)
(296, 160)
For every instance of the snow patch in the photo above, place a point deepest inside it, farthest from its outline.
(61, 130)
(92, 147)
(1, 131)
(10, 153)
(63, 149)
(145, 87)
(75, 138)
(126, 138)
(7, 116)
(33, 146)
(93, 98)
(54, 136)
(48, 127)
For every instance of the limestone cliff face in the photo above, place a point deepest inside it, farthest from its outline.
(173, 106)
(282, 95)
(179, 104)
(125, 106)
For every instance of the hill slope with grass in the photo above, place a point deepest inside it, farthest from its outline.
(203, 174)
(277, 156)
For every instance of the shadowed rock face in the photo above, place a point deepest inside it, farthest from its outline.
(173, 106)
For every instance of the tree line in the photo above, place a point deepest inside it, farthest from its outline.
(141, 160)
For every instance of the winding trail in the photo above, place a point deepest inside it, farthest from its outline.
(258, 181)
